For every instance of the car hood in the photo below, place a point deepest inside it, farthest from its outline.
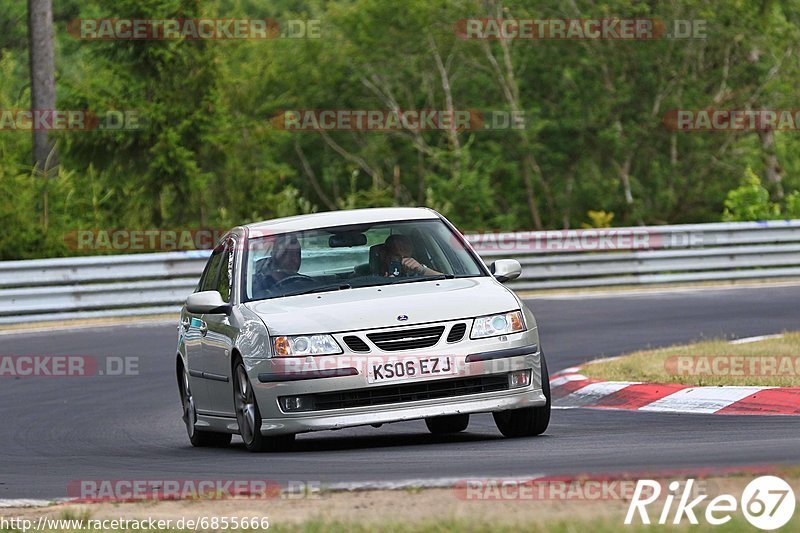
(377, 307)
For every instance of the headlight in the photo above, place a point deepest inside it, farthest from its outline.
(300, 345)
(490, 326)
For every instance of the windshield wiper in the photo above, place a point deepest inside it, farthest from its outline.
(424, 278)
(324, 288)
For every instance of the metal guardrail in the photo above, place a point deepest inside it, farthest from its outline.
(136, 284)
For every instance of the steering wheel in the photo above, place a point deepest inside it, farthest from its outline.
(294, 278)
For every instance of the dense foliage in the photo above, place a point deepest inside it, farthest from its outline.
(208, 154)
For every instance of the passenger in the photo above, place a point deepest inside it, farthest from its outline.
(398, 261)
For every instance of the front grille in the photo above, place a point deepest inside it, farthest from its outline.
(356, 344)
(391, 394)
(457, 332)
(407, 339)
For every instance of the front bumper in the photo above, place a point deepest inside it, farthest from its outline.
(513, 399)
(276, 422)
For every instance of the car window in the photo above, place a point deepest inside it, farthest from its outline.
(208, 281)
(225, 273)
(354, 256)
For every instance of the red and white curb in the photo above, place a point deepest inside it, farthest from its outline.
(570, 389)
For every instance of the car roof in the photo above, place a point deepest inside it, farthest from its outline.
(340, 218)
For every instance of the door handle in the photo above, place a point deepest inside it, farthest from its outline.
(186, 322)
(203, 328)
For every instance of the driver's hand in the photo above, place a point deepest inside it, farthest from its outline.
(412, 265)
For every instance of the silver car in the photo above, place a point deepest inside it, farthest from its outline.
(353, 318)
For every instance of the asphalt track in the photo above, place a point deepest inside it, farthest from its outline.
(57, 430)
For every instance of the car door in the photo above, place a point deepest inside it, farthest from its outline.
(195, 331)
(219, 339)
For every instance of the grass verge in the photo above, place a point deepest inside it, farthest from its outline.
(431, 510)
(737, 525)
(770, 362)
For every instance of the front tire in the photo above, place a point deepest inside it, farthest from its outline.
(442, 425)
(198, 438)
(248, 417)
(528, 421)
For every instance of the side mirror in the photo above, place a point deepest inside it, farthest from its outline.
(207, 303)
(505, 269)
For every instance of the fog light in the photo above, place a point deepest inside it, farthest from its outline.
(293, 404)
(519, 378)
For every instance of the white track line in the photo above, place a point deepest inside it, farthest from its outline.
(74, 327)
(349, 486)
(426, 483)
(644, 291)
(4, 504)
(758, 338)
(605, 359)
(557, 382)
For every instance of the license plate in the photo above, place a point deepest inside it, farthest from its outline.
(411, 368)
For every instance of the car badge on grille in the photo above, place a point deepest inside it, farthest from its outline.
(402, 318)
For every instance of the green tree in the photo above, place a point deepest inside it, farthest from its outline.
(750, 201)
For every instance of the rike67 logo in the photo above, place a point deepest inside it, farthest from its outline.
(767, 502)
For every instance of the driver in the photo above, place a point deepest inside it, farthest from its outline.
(283, 263)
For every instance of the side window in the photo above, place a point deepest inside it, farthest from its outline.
(208, 281)
(225, 273)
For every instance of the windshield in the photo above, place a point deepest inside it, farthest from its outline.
(344, 257)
